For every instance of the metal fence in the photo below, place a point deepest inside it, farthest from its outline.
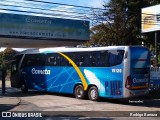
(154, 78)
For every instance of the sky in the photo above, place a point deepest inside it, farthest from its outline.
(86, 3)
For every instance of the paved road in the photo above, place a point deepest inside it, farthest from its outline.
(55, 102)
(66, 106)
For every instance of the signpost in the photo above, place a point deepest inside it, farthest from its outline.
(151, 23)
(26, 26)
(17, 30)
(156, 51)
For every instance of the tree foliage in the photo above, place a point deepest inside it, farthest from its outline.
(122, 23)
(5, 57)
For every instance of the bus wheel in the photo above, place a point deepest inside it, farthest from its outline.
(93, 93)
(24, 88)
(79, 92)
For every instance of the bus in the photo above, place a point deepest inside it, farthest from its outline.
(110, 72)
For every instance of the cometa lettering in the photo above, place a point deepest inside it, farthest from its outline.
(38, 21)
(135, 80)
(45, 72)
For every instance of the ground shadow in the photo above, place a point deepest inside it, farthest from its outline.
(14, 92)
(5, 107)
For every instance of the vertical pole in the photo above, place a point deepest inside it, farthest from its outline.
(156, 53)
(3, 82)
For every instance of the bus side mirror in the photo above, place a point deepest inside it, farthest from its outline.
(13, 68)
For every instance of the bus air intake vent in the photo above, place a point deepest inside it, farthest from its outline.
(113, 87)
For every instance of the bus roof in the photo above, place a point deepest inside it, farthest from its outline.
(72, 49)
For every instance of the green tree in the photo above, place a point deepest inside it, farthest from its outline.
(122, 23)
(5, 57)
(99, 36)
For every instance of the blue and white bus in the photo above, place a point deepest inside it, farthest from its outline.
(110, 72)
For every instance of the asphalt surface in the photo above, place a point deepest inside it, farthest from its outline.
(7, 101)
(66, 107)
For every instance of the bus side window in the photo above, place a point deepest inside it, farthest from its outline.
(39, 60)
(33, 60)
(101, 59)
(98, 60)
(83, 59)
(77, 58)
(94, 56)
(64, 62)
(91, 59)
(115, 57)
(107, 59)
(58, 60)
(53, 59)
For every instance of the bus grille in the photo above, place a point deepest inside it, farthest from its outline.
(113, 87)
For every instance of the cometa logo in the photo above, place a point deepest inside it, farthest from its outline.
(45, 72)
(135, 80)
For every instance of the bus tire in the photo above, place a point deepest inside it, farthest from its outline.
(79, 92)
(93, 93)
(24, 88)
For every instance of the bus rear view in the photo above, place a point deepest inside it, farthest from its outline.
(136, 72)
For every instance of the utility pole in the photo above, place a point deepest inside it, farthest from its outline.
(156, 51)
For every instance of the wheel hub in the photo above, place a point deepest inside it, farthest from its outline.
(93, 94)
(79, 92)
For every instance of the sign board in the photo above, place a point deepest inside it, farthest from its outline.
(33, 27)
(150, 20)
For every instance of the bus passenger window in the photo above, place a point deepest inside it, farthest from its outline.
(99, 60)
(64, 62)
(52, 60)
(92, 61)
(115, 57)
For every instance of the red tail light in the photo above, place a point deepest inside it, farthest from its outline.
(128, 83)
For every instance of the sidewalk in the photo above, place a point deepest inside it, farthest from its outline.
(8, 101)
